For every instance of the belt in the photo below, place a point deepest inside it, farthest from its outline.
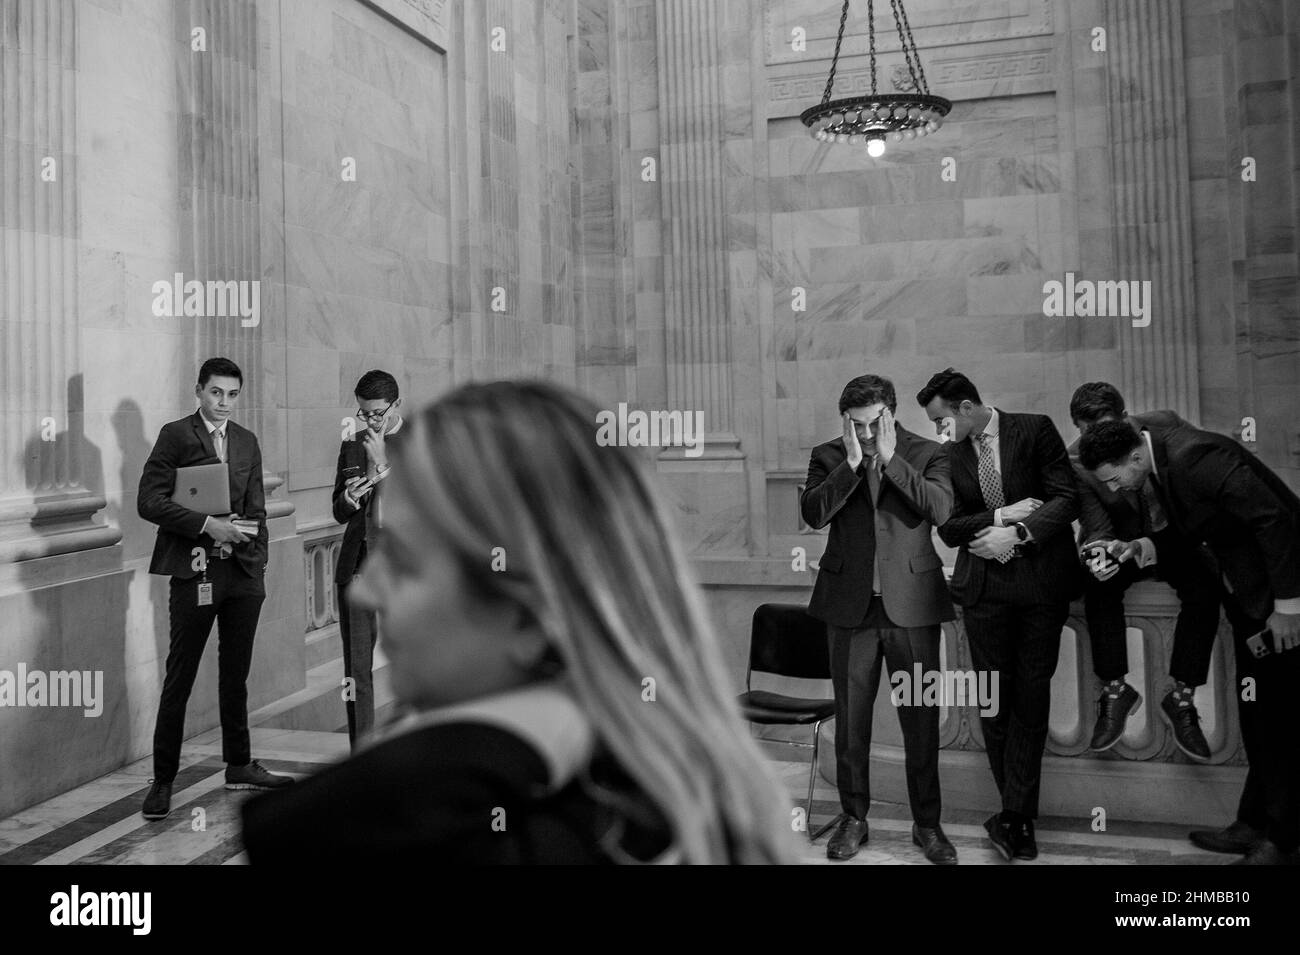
(219, 554)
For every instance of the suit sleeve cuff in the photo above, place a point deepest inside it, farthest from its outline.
(1288, 605)
(1149, 553)
(997, 518)
(204, 528)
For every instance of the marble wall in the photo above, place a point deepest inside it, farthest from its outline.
(616, 194)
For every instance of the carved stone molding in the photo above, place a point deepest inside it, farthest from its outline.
(934, 24)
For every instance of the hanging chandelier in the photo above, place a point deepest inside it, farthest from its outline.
(872, 118)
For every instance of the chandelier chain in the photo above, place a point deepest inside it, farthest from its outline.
(871, 39)
(924, 87)
(902, 40)
(839, 38)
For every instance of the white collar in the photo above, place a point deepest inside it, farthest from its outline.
(1151, 451)
(542, 714)
(213, 427)
(991, 428)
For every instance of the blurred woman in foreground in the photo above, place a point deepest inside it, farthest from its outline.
(529, 585)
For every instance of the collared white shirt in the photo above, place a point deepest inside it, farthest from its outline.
(212, 429)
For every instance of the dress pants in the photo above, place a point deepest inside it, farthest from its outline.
(1021, 643)
(359, 629)
(856, 658)
(1270, 800)
(236, 605)
(1187, 569)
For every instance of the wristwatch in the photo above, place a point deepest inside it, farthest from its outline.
(1022, 532)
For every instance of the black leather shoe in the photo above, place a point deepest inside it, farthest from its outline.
(254, 776)
(1024, 845)
(1265, 852)
(1236, 839)
(158, 804)
(1113, 711)
(1001, 835)
(848, 835)
(1186, 725)
(934, 844)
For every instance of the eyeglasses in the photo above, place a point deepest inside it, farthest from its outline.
(373, 415)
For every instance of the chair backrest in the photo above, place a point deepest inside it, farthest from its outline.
(786, 641)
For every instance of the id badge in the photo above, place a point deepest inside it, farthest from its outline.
(205, 594)
(1258, 646)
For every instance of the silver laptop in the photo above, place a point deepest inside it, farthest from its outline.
(204, 488)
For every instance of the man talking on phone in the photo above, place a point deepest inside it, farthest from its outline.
(216, 565)
(1216, 492)
(362, 465)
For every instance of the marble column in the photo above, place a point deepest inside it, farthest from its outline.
(1152, 213)
(221, 205)
(45, 506)
(696, 317)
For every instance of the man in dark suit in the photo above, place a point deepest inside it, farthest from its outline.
(216, 573)
(881, 592)
(1143, 546)
(363, 461)
(1217, 492)
(1016, 573)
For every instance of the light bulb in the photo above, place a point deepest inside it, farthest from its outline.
(875, 147)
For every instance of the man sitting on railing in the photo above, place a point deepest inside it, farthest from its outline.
(1125, 537)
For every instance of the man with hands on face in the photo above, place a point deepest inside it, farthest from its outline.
(881, 592)
(1016, 573)
(362, 465)
(1216, 492)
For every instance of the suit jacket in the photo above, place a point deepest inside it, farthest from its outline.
(352, 463)
(1115, 515)
(1034, 464)
(185, 443)
(915, 495)
(1222, 495)
(441, 788)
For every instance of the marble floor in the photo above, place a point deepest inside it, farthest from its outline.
(99, 823)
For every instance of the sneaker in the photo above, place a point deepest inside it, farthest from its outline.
(1180, 713)
(1113, 711)
(253, 776)
(158, 804)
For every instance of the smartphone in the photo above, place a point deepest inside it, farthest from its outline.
(1261, 644)
(1098, 557)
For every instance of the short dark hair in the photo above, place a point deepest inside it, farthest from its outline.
(950, 385)
(868, 390)
(377, 384)
(219, 367)
(1107, 442)
(1096, 399)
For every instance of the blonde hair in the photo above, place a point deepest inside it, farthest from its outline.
(591, 553)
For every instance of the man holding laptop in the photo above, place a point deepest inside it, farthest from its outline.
(202, 486)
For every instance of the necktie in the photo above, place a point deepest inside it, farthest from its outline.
(873, 485)
(990, 482)
(1155, 511)
(219, 445)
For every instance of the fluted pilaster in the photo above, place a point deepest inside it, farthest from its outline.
(696, 317)
(221, 194)
(1149, 170)
(45, 509)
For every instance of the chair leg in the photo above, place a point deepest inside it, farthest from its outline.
(812, 781)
